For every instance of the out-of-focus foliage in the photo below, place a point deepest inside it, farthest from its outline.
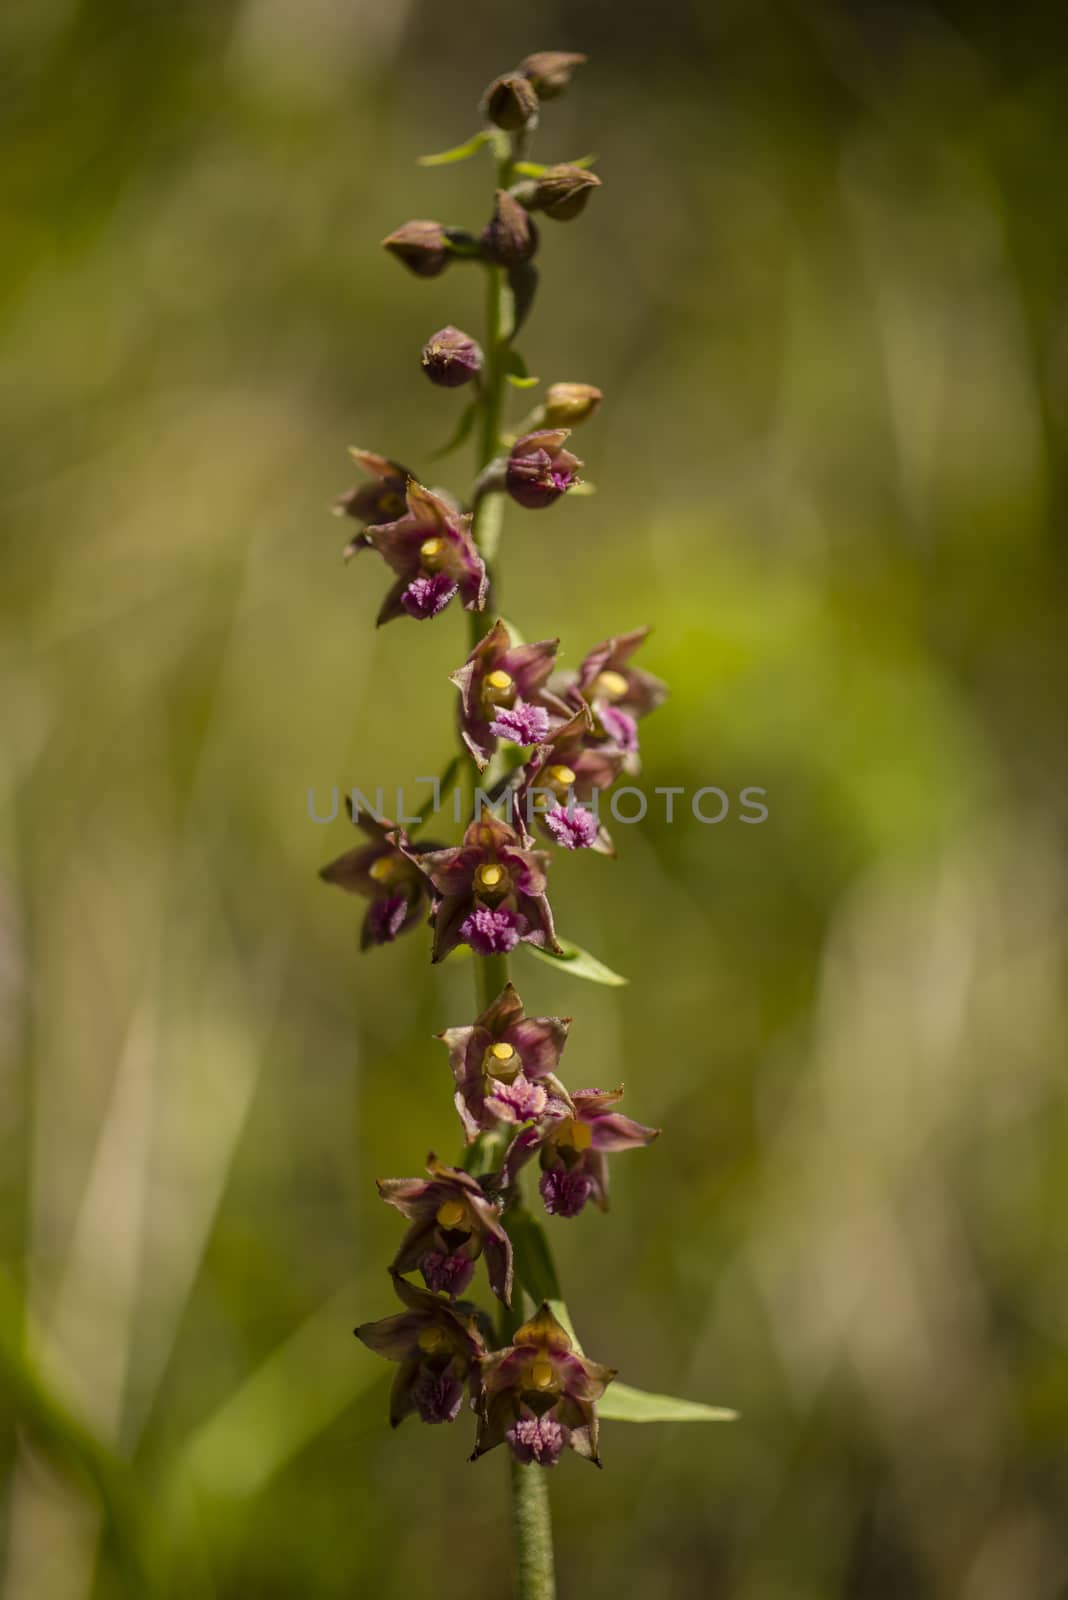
(824, 291)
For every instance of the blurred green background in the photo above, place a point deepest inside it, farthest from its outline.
(824, 291)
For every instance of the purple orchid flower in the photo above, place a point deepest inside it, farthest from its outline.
(431, 550)
(503, 695)
(562, 776)
(505, 1064)
(489, 891)
(453, 1222)
(439, 1349)
(572, 1142)
(381, 500)
(618, 694)
(539, 1395)
(386, 874)
(540, 470)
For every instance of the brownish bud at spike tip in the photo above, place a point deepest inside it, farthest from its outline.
(550, 71)
(510, 237)
(567, 404)
(562, 191)
(510, 101)
(422, 246)
(451, 358)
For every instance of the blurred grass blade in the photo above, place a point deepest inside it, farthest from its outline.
(73, 1445)
(302, 1387)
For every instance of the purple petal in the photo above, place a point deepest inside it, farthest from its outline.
(573, 828)
(540, 1440)
(491, 933)
(522, 724)
(437, 1396)
(446, 1274)
(386, 918)
(614, 1131)
(620, 727)
(565, 1193)
(517, 1101)
(425, 597)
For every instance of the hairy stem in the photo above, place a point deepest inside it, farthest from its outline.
(532, 1523)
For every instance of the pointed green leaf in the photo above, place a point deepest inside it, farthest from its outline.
(533, 1259)
(572, 958)
(534, 169)
(459, 152)
(515, 371)
(463, 428)
(621, 1403)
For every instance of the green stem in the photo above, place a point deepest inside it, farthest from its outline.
(532, 1522)
(491, 975)
(531, 1519)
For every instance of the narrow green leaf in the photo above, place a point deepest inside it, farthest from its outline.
(579, 963)
(463, 428)
(516, 372)
(533, 1259)
(459, 152)
(534, 169)
(621, 1403)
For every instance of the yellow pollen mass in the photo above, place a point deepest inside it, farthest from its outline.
(489, 877)
(432, 1339)
(431, 548)
(562, 775)
(542, 1375)
(578, 1136)
(449, 1214)
(611, 685)
(498, 679)
(383, 869)
(502, 1052)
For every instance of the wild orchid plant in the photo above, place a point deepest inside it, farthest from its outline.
(545, 743)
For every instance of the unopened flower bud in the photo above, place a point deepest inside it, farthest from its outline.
(422, 246)
(510, 237)
(562, 191)
(550, 71)
(510, 101)
(451, 358)
(540, 470)
(567, 404)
